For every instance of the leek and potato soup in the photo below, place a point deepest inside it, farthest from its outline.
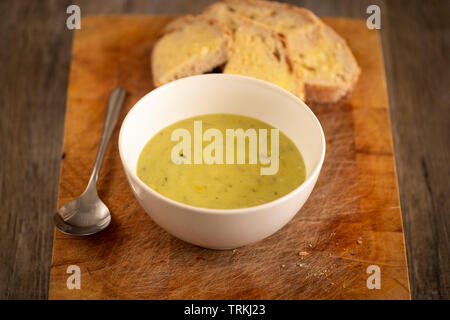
(221, 161)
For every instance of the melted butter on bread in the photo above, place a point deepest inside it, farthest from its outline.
(191, 45)
(328, 68)
(263, 54)
(321, 62)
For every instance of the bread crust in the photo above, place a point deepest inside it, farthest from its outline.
(328, 93)
(279, 5)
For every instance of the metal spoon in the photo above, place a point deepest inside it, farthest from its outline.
(87, 214)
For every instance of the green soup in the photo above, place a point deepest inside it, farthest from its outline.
(220, 186)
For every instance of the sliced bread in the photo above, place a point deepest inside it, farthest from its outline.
(301, 26)
(264, 54)
(329, 69)
(189, 46)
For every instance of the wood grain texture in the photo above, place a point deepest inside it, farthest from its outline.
(419, 90)
(352, 219)
(33, 80)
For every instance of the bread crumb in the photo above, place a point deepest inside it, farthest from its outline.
(283, 266)
(359, 241)
(303, 253)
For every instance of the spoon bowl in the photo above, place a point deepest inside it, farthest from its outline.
(83, 216)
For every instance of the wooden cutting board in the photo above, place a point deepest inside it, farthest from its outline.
(351, 221)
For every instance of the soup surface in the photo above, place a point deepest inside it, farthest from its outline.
(219, 186)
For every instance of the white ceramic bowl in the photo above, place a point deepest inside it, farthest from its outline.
(220, 93)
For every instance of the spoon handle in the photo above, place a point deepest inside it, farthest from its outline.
(115, 104)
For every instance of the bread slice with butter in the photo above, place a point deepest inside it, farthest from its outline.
(301, 26)
(328, 67)
(189, 46)
(264, 54)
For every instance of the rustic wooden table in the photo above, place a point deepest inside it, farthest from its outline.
(35, 58)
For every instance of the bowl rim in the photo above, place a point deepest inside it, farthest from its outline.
(204, 210)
